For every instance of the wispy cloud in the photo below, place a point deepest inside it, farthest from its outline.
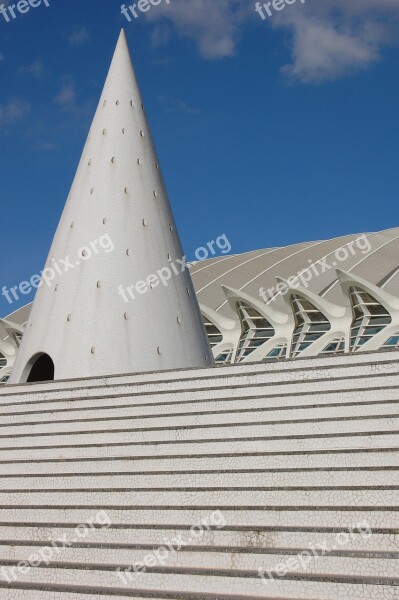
(36, 69)
(174, 105)
(79, 36)
(66, 98)
(161, 35)
(14, 110)
(44, 146)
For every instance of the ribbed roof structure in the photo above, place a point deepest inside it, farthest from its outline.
(248, 272)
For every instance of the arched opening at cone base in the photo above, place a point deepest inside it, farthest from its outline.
(39, 368)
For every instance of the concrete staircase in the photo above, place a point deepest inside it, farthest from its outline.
(244, 467)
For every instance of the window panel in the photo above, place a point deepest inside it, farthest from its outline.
(310, 324)
(334, 347)
(214, 334)
(224, 358)
(279, 351)
(255, 330)
(369, 318)
(392, 341)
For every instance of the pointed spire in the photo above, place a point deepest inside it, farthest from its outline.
(118, 297)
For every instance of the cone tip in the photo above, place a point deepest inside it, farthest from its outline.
(122, 41)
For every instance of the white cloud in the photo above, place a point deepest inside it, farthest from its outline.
(215, 26)
(36, 69)
(176, 105)
(328, 38)
(13, 111)
(66, 98)
(333, 38)
(44, 146)
(79, 36)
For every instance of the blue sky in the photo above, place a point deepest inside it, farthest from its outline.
(272, 132)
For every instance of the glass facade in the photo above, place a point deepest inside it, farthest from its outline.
(310, 324)
(225, 357)
(255, 330)
(392, 342)
(214, 335)
(279, 351)
(334, 347)
(369, 318)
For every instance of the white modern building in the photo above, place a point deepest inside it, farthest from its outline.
(324, 297)
(133, 466)
(79, 326)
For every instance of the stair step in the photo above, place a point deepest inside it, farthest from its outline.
(238, 559)
(282, 381)
(193, 497)
(375, 362)
(246, 583)
(224, 398)
(211, 432)
(337, 442)
(269, 540)
(381, 478)
(380, 518)
(38, 592)
(299, 463)
(252, 413)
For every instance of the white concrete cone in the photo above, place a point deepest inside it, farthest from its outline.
(119, 214)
